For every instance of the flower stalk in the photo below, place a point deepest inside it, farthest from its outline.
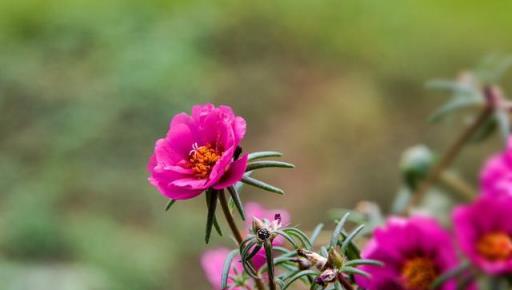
(235, 231)
(453, 151)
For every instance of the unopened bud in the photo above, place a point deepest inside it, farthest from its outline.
(415, 164)
(315, 259)
(303, 263)
(326, 277)
(263, 234)
(335, 260)
(257, 224)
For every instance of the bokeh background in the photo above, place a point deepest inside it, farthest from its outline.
(86, 87)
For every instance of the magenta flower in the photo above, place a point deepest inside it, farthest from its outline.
(212, 262)
(484, 232)
(414, 251)
(496, 175)
(198, 153)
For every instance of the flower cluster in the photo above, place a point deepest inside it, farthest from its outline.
(202, 153)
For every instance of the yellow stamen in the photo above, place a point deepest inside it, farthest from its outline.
(496, 246)
(419, 273)
(202, 159)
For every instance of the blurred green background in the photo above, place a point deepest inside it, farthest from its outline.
(86, 87)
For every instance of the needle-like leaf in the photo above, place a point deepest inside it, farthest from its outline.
(170, 204)
(268, 164)
(350, 237)
(453, 273)
(261, 184)
(211, 198)
(235, 197)
(338, 230)
(264, 154)
(316, 233)
(298, 276)
(227, 267)
(355, 271)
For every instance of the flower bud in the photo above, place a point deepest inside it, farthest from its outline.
(315, 259)
(303, 263)
(326, 277)
(415, 164)
(257, 225)
(263, 234)
(335, 260)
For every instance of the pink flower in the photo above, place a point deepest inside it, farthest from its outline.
(198, 153)
(414, 251)
(484, 232)
(496, 175)
(212, 262)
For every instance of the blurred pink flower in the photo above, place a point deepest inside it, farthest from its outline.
(414, 251)
(484, 232)
(212, 262)
(496, 174)
(198, 153)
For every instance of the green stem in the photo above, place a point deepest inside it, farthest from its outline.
(453, 151)
(234, 229)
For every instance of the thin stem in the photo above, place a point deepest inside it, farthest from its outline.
(461, 188)
(454, 150)
(234, 229)
(346, 284)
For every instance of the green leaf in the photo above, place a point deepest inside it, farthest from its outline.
(323, 252)
(211, 198)
(453, 86)
(338, 230)
(287, 237)
(300, 235)
(254, 251)
(249, 269)
(355, 271)
(170, 204)
(261, 184)
(246, 248)
(352, 251)
(268, 164)
(264, 154)
(217, 226)
(485, 130)
(316, 232)
(227, 267)
(350, 237)
(450, 274)
(454, 104)
(298, 276)
(359, 262)
(337, 286)
(215, 222)
(235, 196)
(503, 120)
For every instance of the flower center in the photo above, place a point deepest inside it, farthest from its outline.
(419, 273)
(495, 246)
(202, 159)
